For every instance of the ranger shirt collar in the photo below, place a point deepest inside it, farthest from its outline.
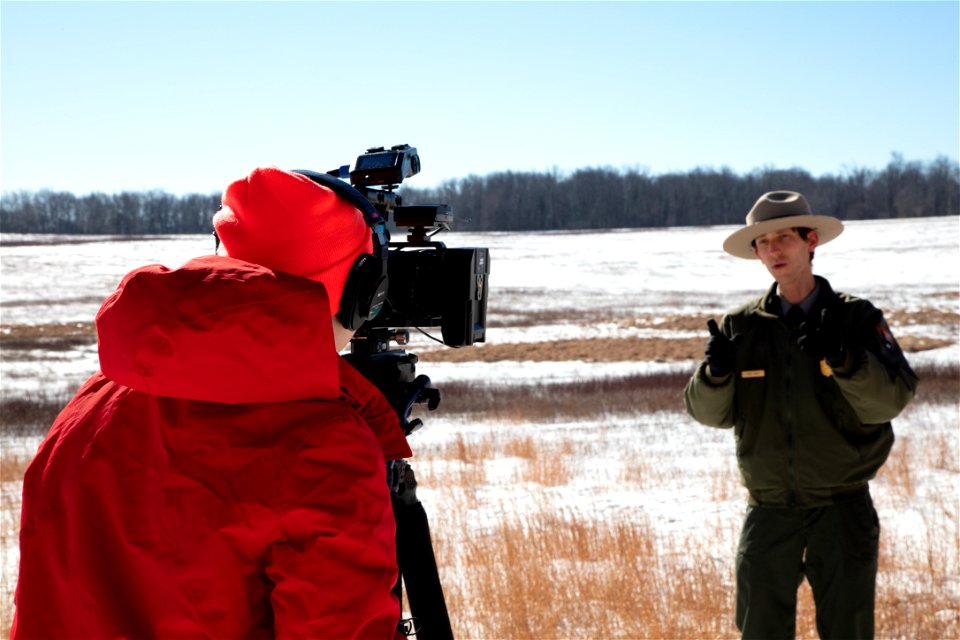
(806, 305)
(819, 298)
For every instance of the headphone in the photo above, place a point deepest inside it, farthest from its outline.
(365, 290)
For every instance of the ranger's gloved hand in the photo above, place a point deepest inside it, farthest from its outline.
(823, 340)
(721, 351)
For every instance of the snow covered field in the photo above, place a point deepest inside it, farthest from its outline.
(904, 264)
(908, 265)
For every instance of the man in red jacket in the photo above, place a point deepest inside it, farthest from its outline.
(223, 475)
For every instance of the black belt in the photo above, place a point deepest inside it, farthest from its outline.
(847, 493)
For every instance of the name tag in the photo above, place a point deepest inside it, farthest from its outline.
(755, 373)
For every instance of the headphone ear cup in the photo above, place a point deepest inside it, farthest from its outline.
(364, 292)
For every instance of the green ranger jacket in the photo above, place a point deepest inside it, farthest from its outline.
(806, 435)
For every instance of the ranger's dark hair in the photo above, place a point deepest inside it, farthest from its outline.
(803, 232)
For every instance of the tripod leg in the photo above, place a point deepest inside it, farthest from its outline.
(418, 568)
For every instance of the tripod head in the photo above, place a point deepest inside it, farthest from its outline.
(393, 372)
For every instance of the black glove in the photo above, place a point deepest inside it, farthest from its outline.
(721, 351)
(823, 340)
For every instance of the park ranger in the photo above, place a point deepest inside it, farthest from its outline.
(809, 380)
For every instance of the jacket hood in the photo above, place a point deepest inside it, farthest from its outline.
(221, 330)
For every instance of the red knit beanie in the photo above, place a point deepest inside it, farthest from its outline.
(288, 222)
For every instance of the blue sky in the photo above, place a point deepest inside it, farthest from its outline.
(187, 96)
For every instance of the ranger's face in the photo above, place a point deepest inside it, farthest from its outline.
(785, 254)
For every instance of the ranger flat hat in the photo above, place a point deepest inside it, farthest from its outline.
(779, 210)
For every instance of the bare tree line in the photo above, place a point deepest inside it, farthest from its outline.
(592, 198)
(603, 198)
(125, 213)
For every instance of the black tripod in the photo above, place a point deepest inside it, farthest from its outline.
(418, 566)
(393, 372)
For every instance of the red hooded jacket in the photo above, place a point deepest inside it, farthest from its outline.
(222, 477)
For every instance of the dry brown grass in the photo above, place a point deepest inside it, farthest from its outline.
(515, 402)
(552, 572)
(627, 317)
(626, 349)
(54, 336)
(939, 384)
(918, 569)
(556, 575)
(12, 467)
(560, 573)
(538, 402)
(11, 472)
(30, 414)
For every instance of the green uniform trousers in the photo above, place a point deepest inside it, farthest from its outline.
(835, 547)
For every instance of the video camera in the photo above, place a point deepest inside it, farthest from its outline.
(430, 285)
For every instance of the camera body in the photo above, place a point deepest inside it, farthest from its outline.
(430, 285)
(436, 286)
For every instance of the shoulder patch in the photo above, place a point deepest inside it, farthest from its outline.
(889, 351)
(887, 341)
